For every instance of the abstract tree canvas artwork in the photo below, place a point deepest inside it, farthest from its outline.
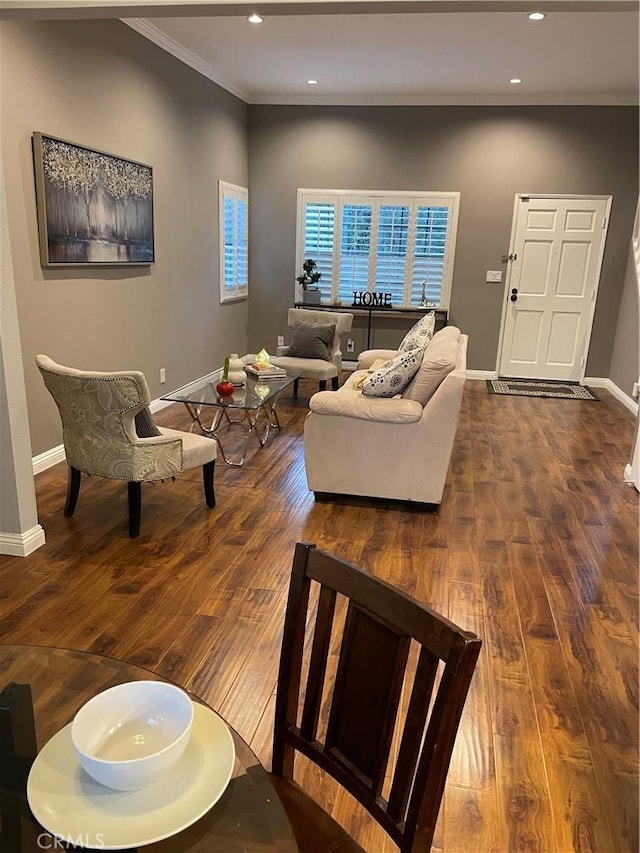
(93, 208)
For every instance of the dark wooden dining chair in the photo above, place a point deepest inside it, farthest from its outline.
(360, 727)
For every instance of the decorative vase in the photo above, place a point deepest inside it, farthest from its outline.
(311, 297)
(237, 373)
(225, 388)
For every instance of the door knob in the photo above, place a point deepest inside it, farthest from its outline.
(514, 294)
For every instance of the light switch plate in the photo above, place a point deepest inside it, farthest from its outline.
(494, 276)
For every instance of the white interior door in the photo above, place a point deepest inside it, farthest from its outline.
(556, 255)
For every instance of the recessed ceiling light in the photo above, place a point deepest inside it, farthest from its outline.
(536, 16)
(515, 80)
(255, 19)
(312, 82)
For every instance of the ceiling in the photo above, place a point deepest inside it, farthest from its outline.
(424, 57)
(388, 51)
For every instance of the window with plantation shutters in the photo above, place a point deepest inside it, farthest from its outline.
(234, 241)
(399, 243)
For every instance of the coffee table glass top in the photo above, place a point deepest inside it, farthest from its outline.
(254, 394)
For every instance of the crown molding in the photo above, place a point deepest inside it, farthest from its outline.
(461, 100)
(142, 26)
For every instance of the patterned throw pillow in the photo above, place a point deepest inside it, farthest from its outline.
(145, 426)
(419, 335)
(394, 376)
(309, 341)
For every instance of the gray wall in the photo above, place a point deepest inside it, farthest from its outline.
(487, 153)
(103, 85)
(625, 360)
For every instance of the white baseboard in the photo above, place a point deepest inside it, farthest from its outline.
(156, 405)
(630, 478)
(22, 544)
(48, 459)
(482, 374)
(612, 388)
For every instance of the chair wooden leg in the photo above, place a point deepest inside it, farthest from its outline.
(334, 383)
(207, 478)
(135, 508)
(295, 387)
(323, 384)
(73, 490)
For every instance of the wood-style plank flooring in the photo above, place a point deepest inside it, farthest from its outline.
(535, 548)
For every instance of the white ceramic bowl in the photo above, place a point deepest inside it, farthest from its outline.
(128, 735)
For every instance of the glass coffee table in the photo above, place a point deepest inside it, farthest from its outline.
(252, 406)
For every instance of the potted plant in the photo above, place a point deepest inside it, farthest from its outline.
(308, 279)
(224, 387)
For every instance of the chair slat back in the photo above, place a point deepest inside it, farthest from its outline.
(413, 731)
(370, 741)
(367, 689)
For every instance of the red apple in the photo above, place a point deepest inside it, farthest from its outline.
(225, 389)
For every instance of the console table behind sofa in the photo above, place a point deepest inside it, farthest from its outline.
(410, 314)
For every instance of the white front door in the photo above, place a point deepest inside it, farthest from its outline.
(556, 254)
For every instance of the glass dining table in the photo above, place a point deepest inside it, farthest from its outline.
(41, 689)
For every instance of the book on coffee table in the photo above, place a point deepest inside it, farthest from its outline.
(265, 371)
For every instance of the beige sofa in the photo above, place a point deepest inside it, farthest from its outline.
(389, 447)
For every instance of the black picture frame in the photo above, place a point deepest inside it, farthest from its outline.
(94, 209)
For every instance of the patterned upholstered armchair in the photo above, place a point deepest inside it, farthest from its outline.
(108, 430)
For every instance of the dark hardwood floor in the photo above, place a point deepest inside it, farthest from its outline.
(535, 548)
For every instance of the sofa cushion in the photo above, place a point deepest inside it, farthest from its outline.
(438, 361)
(348, 402)
(394, 376)
(311, 341)
(369, 356)
(420, 334)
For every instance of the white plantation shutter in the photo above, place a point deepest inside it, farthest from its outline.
(355, 244)
(429, 252)
(391, 256)
(234, 241)
(319, 230)
(380, 242)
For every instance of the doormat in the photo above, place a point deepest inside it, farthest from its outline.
(539, 388)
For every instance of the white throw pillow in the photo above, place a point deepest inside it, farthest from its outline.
(394, 376)
(419, 335)
(439, 360)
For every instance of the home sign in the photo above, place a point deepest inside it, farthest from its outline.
(366, 299)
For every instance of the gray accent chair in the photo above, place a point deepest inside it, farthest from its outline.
(315, 368)
(108, 431)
